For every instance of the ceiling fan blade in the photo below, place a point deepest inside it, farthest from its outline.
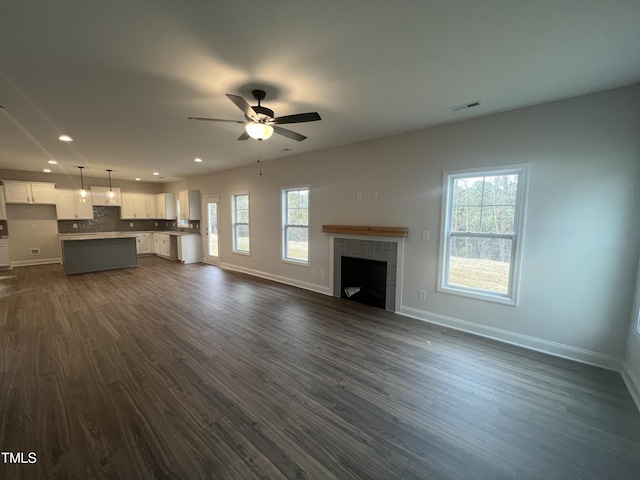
(214, 119)
(297, 118)
(242, 104)
(244, 136)
(289, 134)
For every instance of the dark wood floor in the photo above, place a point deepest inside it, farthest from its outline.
(175, 371)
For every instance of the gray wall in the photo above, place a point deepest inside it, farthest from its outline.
(581, 230)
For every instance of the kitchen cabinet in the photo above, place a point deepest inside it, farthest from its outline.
(3, 208)
(166, 206)
(189, 204)
(134, 206)
(36, 193)
(143, 243)
(99, 196)
(5, 262)
(189, 248)
(69, 205)
(162, 244)
(150, 201)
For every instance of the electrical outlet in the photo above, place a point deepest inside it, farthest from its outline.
(313, 272)
(156, 224)
(131, 224)
(1, 227)
(321, 273)
(358, 195)
(425, 234)
(75, 225)
(422, 294)
(375, 194)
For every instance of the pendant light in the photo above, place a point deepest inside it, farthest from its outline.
(111, 197)
(83, 192)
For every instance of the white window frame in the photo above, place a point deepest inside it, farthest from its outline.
(517, 237)
(235, 223)
(285, 225)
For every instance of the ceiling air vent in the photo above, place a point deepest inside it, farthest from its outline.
(464, 106)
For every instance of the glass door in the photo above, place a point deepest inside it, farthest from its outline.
(211, 229)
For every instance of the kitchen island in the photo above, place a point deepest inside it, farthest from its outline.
(94, 253)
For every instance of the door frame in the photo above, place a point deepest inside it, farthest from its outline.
(205, 201)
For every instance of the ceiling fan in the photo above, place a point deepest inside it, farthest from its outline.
(260, 122)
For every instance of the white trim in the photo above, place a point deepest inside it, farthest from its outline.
(532, 343)
(399, 260)
(29, 263)
(523, 172)
(277, 278)
(632, 382)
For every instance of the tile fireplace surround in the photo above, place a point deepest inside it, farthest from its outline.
(389, 250)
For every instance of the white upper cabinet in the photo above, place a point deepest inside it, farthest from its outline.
(151, 206)
(99, 196)
(134, 206)
(29, 192)
(166, 206)
(189, 204)
(70, 205)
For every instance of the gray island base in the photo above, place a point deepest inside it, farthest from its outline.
(97, 254)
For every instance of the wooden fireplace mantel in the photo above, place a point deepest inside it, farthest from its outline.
(401, 232)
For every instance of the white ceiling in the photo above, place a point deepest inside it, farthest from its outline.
(121, 77)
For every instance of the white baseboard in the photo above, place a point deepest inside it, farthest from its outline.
(633, 383)
(532, 343)
(40, 261)
(277, 278)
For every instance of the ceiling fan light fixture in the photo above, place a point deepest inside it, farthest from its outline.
(258, 130)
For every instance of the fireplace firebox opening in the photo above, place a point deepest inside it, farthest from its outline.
(364, 281)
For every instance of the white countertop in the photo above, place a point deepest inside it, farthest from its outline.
(96, 235)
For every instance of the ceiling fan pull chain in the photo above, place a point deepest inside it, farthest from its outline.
(260, 157)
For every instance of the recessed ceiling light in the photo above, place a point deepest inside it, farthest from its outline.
(156, 173)
(52, 162)
(65, 138)
(46, 170)
(137, 179)
(197, 160)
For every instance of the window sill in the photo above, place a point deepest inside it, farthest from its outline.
(300, 263)
(479, 295)
(240, 252)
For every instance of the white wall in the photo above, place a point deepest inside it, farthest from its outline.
(581, 227)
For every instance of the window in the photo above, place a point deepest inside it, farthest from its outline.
(295, 221)
(240, 215)
(482, 232)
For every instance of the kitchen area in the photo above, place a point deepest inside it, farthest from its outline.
(99, 228)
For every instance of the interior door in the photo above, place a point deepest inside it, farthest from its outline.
(212, 237)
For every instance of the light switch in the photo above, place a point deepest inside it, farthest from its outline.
(358, 195)
(425, 234)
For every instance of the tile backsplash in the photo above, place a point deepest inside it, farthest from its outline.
(107, 219)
